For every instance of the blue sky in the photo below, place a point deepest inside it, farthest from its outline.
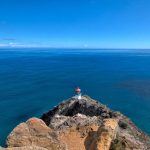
(75, 23)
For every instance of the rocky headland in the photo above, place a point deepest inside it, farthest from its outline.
(75, 124)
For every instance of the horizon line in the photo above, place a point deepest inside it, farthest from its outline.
(84, 48)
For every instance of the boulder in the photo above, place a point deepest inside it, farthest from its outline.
(34, 132)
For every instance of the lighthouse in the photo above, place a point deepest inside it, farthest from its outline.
(78, 93)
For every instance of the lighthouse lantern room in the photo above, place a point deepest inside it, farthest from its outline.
(78, 93)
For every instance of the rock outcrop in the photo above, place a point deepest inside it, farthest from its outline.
(36, 133)
(74, 112)
(24, 148)
(82, 124)
(105, 135)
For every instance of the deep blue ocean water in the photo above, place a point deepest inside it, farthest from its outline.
(34, 80)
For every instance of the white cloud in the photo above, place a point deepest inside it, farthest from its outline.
(18, 45)
(11, 44)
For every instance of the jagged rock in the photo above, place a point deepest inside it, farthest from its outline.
(68, 110)
(80, 125)
(128, 135)
(105, 135)
(91, 137)
(24, 148)
(63, 122)
(75, 138)
(34, 132)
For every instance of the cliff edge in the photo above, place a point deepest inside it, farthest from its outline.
(79, 124)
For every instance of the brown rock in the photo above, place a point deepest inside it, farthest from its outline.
(24, 148)
(75, 138)
(91, 137)
(34, 132)
(105, 135)
(85, 112)
(80, 125)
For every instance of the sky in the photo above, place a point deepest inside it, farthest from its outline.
(75, 23)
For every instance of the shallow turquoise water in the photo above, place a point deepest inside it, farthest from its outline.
(34, 80)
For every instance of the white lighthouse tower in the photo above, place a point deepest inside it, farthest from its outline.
(78, 93)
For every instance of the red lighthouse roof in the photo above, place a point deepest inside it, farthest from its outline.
(78, 89)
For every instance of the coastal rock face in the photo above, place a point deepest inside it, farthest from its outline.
(105, 135)
(36, 133)
(83, 124)
(74, 112)
(24, 148)
(90, 137)
(88, 112)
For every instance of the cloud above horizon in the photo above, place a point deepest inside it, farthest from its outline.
(96, 23)
(20, 45)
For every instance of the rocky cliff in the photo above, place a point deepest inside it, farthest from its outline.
(75, 124)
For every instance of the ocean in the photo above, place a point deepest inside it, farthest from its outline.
(32, 81)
